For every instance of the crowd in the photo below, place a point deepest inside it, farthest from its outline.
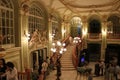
(50, 64)
(7, 70)
(110, 70)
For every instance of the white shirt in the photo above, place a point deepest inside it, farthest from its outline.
(12, 75)
(44, 66)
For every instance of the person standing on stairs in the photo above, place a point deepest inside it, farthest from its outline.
(58, 66)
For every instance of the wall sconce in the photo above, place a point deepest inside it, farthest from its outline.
(27, 35)
(64, 31)
(104, 32)
(84, 32)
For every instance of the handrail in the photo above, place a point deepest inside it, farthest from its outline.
(75, 54)
(66, 40)
(22, 76)
(74, 57)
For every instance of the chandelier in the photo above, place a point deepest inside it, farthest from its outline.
(77, 40)
(58, 47)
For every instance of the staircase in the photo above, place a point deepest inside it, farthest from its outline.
(66, 60)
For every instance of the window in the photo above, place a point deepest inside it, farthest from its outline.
(114, 24)
(6, 22)
(36, 19)
(55, 29)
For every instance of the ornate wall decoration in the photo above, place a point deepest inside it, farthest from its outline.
(25, 6)
(35, 38)
(38, 37)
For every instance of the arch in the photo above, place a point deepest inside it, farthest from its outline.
(94, 24)
(76, 26)
(56, 25)
(92, 17)
(42, 8)
(40, 5)
(9, 22)
(7, 3)
(113, 23)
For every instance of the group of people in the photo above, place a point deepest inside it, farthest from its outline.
(47, 66)
(110, 70)
(99, 68)
(7, 70)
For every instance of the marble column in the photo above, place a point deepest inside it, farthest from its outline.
(50, 35)
(104, 35)
(24, 40)
(84, 32)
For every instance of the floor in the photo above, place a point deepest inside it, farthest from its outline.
(72, 74)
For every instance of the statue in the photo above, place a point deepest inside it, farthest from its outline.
(35, 39)
(44, 35)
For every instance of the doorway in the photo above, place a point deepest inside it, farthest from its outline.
(112, 50)
(38, 56)
(94, 51)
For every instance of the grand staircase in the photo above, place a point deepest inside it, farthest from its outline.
(66, 60)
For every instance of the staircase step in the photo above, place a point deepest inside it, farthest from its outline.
(66, 60)
(65, 69)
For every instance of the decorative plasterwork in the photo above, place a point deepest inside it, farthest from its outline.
(25, 5)
(80, 6)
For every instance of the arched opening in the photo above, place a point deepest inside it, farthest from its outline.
(94, 26)
(113, 24)
(76, 26)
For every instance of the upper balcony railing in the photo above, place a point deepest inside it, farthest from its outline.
(113, 36)
(99, 36)
(94, 35)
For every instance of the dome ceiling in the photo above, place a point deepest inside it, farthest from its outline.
(66, 7)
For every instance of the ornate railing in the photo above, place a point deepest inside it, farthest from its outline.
(99, 36)
(113, 36)
(75, 57)
(94, 35)
(22, 76)
(25, 75)
(66, 40)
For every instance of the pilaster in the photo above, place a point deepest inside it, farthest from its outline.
(50, 35)
(104, 35)
(24, 40)
(84, 32)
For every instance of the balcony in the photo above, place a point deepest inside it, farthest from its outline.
(113, 36)
(96, 37)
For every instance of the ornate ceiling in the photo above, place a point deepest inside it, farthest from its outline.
(68, 7)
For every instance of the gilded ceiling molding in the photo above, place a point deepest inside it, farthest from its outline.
(90, 6)
(93, 9)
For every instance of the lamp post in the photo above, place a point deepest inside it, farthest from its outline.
(58, 48)
(77, 40)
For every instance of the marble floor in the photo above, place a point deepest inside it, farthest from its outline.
(72, 74)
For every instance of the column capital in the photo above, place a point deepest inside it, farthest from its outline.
(24, 6)
(84, 19)
(104, 18)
